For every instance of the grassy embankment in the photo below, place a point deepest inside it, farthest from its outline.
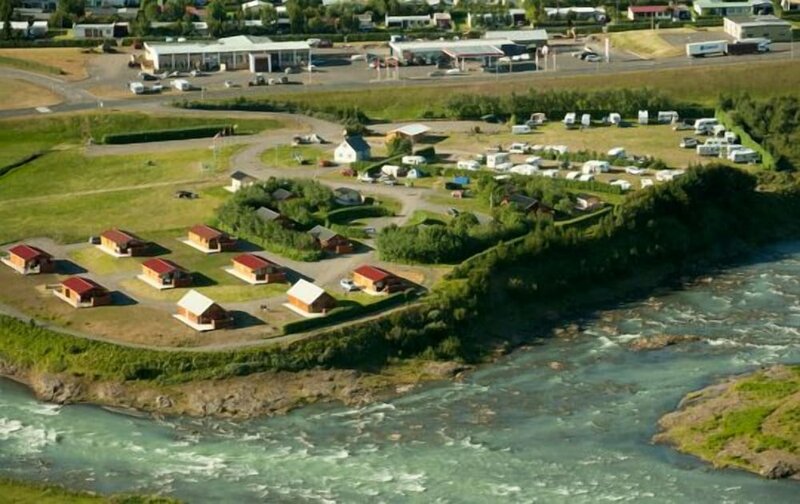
(68, 63)
(16, 492)
(750, 422)
(700, 84)
(59, 194)
(17, 93)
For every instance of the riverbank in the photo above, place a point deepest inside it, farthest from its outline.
(33, 493)
(750, 422)
(242, 397)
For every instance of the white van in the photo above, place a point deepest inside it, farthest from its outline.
(136, 88)
(181, 84)
(520, 129)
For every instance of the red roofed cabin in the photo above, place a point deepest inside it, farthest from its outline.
(376, 279)
(165, 273)
(647, 12)
(122, 243)
(211, 239)
(258, 269)
(331, 241)
(30, 260)
(81, 292)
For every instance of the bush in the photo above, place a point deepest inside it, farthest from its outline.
(347, 214)
(167, 134)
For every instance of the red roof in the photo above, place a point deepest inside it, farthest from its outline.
(28, 252)
(372, 273)
(118, 236)
(81, 285)
(161, 266)
(206, 232)
(252, 261)
(647, 9)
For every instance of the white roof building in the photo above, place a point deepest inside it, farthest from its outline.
(305, 291)
(194, 302)
(524, 37)
(457, 49)
(411, 130)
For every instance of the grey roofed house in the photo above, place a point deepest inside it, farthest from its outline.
(525, 203)
(358, 143)
(242, 176)
(267, 214)
(322, 233)
(281, 194)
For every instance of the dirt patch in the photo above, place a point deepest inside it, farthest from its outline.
(17, 93)
(71, 60)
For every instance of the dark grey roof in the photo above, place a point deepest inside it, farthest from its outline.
(522, 201)
(322, 233)
(281, 194)
(240, 175)
(357, 143)
(267, 215)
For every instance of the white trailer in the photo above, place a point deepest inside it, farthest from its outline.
(704, 125)
(616, 152)
(468, 164)
(703, 49)
(569, 120)
(595, 166)
(615, 119)
(667, 117)
(586, 121)
(520, 129)
(744, 156)
(181, 84)
(494, 159)
(644, 117)
(708, 150)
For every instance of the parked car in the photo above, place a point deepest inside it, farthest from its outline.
(593, 58)
(347, 285)
(229, 84)
(688, 143)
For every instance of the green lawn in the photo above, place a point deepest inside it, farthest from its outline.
(73, 218)
(21, 137)
(284, 156)
(701, 84)
(97, 261)
(420, 216)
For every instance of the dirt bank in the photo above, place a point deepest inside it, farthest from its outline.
(751, 422)
(260, 394)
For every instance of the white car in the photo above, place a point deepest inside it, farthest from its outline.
(347, 285)
(518, 148)
(593, 58)
(635, 170)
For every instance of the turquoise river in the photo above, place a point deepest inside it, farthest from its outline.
(513, 431)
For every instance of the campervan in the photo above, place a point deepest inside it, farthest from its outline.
(616, 152)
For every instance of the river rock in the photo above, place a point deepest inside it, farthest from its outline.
(779, 470)
(659, 342)
(53, 388)
(556, 366)
(163, 402)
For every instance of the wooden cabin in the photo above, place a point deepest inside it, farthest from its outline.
(309, 298)
(82, 292)
(211, 239)
(331, 241)
(256, 269)
(122, 243)
(377, 280)
(201, 313)
(30, 260)
(165, 274)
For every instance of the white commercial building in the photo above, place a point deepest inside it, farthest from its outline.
(458, 50)
(258, 54)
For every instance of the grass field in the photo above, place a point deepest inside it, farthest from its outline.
(17, 93)
(21, 137)
(701, 84)
(67, 62)
(284, 156)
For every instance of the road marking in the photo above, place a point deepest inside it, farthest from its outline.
(43, 110)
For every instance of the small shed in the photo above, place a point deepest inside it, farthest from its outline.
(240, 180)
(209, 239)
(347, 197)
(121, 243)
(255, 269)
(522, 203)
(82, 292)
(377, 280)
(309, 298)
(29, 260)
(413, 132)
(281, 194)
(201, 313)
(164, 274)
(269, 215)
(330, 240)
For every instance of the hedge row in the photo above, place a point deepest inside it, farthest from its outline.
(168, 134)
(346, 214)
(16, 43)
(767, 159)
(347, 312)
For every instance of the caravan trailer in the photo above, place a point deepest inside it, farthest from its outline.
(667, 117)
(704, 126)
(468, 164)
(615, 119)
(569, 120)
(744, 156)
(520, 129)
(586, 121)
(595, 166)
(644, 117)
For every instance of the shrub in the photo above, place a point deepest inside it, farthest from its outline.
(167, 134)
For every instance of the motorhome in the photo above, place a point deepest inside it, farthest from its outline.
(703, 49)
(569, 120)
